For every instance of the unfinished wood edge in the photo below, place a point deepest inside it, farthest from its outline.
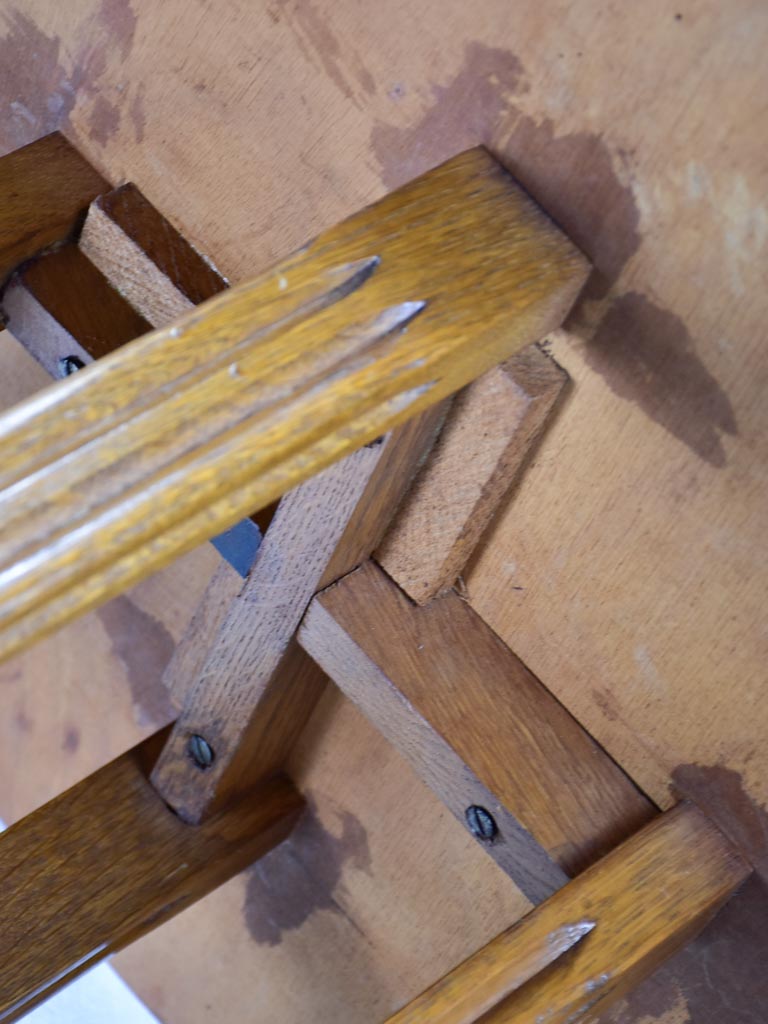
(607, 930)
(125, 264)
(224, 587)
(513, 848)
(429, 544)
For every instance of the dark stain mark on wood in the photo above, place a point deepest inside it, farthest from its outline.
(144, 646)
(720, 792)
(23, 722)
(720, 977)
(608, 704)
(647, 356)
(321, 48)
(138, 114)
(38, 91)
(71, 741)
(645, 352)
(104, 120)
(466, 111)
(299, 877)
(117, 20)
(574, 178)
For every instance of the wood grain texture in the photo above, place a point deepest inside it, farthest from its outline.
(46, 188)
(377, 893)
(628, 544)
(254, 690)
(112, 473)
(645, 900)
(192, 649)
(474, 722)
(61, 305)
(157, 270)
(106, 861)
(491, 434)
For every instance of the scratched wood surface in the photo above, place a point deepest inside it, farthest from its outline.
(637, 536)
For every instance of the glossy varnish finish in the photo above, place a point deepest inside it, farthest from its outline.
(105, 862)
(111, 474)
(643, 901)
(475, 723)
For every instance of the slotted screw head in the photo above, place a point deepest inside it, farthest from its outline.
(481, 823)
(200, 750)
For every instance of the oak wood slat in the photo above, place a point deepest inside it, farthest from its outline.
(107, 861)
(477, 726)
(644, 901)
(112, 473)
(61, 305)
(492, 432)
(45, 189)
(253, 689)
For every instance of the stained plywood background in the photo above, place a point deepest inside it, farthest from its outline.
(630, 568)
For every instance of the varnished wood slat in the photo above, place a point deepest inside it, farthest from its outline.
(141, 252)
(254, 689)
(111, 474)
(644, 901)
(61, 305)
(474, 722)
(107, 861)
(45, 189)
(492, 432)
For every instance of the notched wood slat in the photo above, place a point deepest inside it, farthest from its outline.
(107, 861)
(491, 433)
(643, 902)
(158, 271)
(475, 724)
(179, 434)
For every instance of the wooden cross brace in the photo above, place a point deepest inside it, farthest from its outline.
(322, 395)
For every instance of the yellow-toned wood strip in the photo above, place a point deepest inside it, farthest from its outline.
(604, 931)
(107, 861)
(109, 475)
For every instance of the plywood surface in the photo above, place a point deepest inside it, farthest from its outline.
(629, 571)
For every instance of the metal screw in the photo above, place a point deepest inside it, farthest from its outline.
(69, 365)
(201, 752)
(480, 823)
